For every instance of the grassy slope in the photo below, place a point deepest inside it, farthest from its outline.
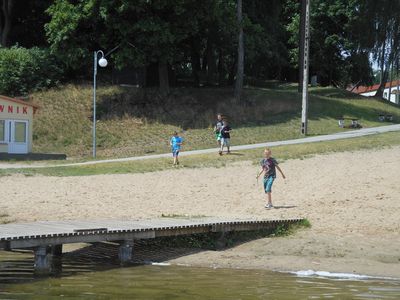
(133, 123)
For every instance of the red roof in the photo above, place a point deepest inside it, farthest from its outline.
(35, 107)
(373, 88)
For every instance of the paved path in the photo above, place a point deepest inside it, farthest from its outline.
(320, 138)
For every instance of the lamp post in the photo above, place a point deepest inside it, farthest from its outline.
(102, 63)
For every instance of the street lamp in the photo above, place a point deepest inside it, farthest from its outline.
(102, 63)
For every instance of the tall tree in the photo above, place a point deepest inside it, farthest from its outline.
(157, 29)
(386, 22)
(6, 11)
(340, 43)
(22, 23)
(240, 63)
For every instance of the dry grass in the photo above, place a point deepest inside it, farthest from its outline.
(136, 122)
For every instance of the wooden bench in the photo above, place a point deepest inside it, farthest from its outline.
(353, 122)
(385, 117)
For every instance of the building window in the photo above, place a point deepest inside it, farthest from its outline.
(385, 95)
(20, 132)
(2, 130)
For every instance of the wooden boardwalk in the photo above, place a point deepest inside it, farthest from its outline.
(46, 238)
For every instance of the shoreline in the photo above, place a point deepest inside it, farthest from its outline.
(257, 255)
(301, 273)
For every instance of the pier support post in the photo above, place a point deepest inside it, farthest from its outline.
(221, 241)
(56, 257)
(56, 250)
(125, 252)
(43, 259)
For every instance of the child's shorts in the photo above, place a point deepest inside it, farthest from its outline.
(175, 152)
(226, 141)
(268, 181)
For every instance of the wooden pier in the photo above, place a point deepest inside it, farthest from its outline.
(46, 238)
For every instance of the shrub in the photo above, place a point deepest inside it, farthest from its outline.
(24, 70)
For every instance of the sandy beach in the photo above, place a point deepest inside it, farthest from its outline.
(352, 200)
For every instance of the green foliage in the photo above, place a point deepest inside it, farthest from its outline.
(155, 29)
(24, 70)
(265, 46)
(305, 223)
(289, 229)
(338, 51)
(198, 39)
(281, 230)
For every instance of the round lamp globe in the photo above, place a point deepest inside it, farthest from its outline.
(103, 62)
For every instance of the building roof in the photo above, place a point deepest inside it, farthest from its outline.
(373, 88)
(20, 101)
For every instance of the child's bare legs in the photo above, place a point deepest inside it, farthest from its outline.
(222, 147)
(267, 187)
(269, 199)
(176, 161)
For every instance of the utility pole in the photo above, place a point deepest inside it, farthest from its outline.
(305, 65)
(302, 29)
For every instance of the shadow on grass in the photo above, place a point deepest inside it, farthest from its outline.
(234, 153)
(195, 108)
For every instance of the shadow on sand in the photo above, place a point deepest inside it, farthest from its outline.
(284, 206)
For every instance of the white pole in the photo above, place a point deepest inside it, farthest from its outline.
(398, 82)
(305, 70)
(94, 102)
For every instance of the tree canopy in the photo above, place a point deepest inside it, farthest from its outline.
(196, 41)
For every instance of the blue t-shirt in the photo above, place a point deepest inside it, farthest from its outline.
(175, 143)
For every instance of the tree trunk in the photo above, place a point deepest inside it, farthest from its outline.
(5, 26)
(231, 76)
(221, 73)
(240, 63)
(211, 61)
(379, 92)
(398, 81)
(196, 65)
(302, 36)
(390, 81)
(163, 78)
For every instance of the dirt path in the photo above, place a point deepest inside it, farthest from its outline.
(352, 200)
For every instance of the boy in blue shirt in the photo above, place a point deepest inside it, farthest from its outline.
(176, 142)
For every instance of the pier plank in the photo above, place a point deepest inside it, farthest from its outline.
(45, 232)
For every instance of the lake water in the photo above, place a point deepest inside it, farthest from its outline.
(89, 276)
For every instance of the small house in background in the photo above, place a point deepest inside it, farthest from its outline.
(16, 123)
(391, 91)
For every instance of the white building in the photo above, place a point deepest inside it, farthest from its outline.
(16, 119)
(391, 91)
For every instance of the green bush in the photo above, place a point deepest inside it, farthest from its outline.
(24, 70)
